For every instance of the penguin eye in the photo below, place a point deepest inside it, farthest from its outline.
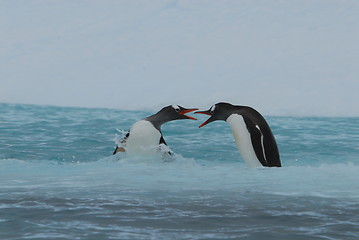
(176, 108)
(212, 109)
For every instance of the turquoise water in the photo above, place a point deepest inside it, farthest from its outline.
(59, 180)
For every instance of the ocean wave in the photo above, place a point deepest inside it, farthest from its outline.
(185, 174)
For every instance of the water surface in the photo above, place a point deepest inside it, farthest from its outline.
(59, 180)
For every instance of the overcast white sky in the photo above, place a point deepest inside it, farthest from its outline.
(281, 57)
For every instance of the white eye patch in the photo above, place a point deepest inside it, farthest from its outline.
(212, 108)
(175, 107)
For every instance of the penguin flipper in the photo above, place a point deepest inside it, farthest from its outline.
(123, 142)
(264, 144)
(162, 141)
(271, 149)
(257, 141)
(166, 153)
(114, 152)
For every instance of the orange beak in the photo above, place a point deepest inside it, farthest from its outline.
(183, 112)
(205, 113)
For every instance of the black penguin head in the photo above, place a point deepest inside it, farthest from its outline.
(176, 112)
(170, 113)
(219, 111)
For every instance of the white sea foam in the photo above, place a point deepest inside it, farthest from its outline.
(144, 174)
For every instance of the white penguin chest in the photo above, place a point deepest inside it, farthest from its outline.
(243, 140)
(144, 139)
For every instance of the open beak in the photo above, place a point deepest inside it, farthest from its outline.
(204, 112)
(208, 112)
(184, 111)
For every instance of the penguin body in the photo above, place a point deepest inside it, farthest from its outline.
(145, 137)
(251, 132)
(243, 140)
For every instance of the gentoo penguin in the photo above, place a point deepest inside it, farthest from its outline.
(145, 137)
(251, 132)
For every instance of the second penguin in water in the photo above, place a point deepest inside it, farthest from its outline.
(251, 132)
(145, 137)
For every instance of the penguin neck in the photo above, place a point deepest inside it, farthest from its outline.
(157, 120)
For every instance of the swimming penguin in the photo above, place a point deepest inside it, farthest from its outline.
(251, 132)
(145, 137)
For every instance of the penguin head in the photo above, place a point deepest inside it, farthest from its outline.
(170, 113)
(219, 111)
(176, 112)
